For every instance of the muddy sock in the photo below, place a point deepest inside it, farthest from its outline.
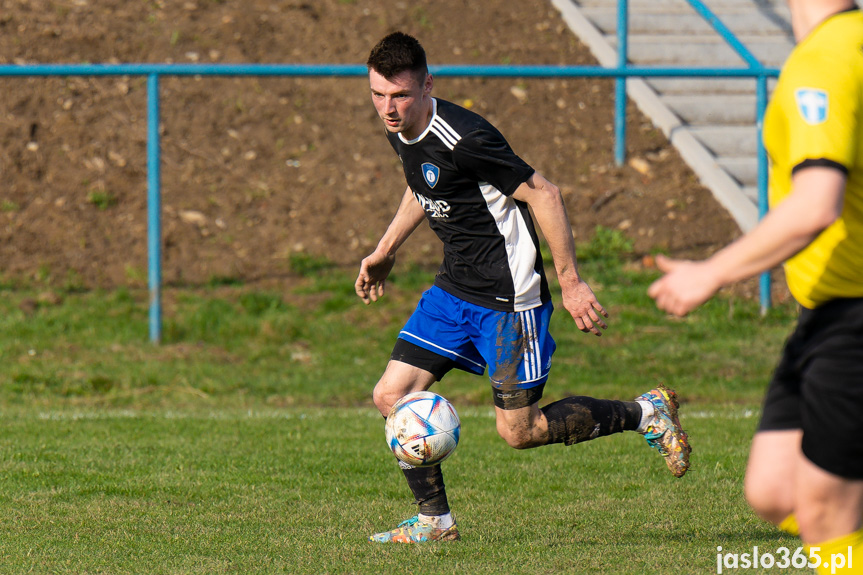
(426, 484)
(577, 419)
(438, 521)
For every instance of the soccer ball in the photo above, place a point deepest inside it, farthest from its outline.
(422, 429)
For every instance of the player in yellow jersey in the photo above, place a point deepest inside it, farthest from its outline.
(805, 470)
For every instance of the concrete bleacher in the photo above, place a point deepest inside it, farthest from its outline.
(711, 121)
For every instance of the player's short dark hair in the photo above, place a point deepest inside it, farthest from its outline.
(396, 53)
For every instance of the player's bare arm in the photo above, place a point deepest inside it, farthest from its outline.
(546, 202)
(376, 267)
(787, 229)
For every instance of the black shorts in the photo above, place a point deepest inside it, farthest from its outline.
(818, 387)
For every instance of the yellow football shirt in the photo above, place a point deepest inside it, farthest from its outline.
(815, 117)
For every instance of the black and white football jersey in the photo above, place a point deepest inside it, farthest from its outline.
(463, 172)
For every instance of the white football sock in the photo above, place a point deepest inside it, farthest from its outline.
(438, 521)
(647, 413)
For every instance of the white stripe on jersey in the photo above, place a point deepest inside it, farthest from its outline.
(435, 129)
(446, 128)
(520, 250)
(443, 131)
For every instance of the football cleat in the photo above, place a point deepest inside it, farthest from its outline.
(664, 433)
(414, 531)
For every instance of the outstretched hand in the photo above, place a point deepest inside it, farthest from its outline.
(580, 301)
(685, 286)
(374, 270)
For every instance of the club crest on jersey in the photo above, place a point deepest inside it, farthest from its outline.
(812, 105)
(431, 173)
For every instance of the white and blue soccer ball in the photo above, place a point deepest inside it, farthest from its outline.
(422, 429)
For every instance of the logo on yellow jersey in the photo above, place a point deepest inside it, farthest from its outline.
(812, 105)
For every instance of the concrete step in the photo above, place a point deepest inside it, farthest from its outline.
(713, 109)
(728, 141)
(711, 121)
(743, 169)
(678, 86)
(688, 50)
(751, 193)
(605, 18)
(718, 7)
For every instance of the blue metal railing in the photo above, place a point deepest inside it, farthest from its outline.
(153, 72)
(754, 69)
(760, 108)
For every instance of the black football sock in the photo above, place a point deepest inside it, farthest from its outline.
(426, 484)
(577, 419)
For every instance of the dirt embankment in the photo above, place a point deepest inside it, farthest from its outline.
(258, 170)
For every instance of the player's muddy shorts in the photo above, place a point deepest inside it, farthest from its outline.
(818, 387)
(446, 332)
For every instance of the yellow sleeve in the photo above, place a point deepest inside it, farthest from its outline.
(821, 103)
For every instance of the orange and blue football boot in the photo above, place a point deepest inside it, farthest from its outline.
(415, 531)
(664, 433)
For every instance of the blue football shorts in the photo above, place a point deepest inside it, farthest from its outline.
(516, 346)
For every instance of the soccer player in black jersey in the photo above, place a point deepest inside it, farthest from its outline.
(490, 304)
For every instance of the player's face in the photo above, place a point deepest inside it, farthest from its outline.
(402, 102)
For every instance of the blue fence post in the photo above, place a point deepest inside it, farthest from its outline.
(154, 209)
(761, 106)
(620, 83)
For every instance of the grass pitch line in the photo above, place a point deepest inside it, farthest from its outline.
(732, 413)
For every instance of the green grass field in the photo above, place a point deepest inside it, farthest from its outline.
(246, 442)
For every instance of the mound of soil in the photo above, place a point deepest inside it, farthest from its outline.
(258, 172)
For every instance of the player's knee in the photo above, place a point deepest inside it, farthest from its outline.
(518, 441)
(820, 513)
(516, 437)
(384, 399)
(769, 501)
(815, 520)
